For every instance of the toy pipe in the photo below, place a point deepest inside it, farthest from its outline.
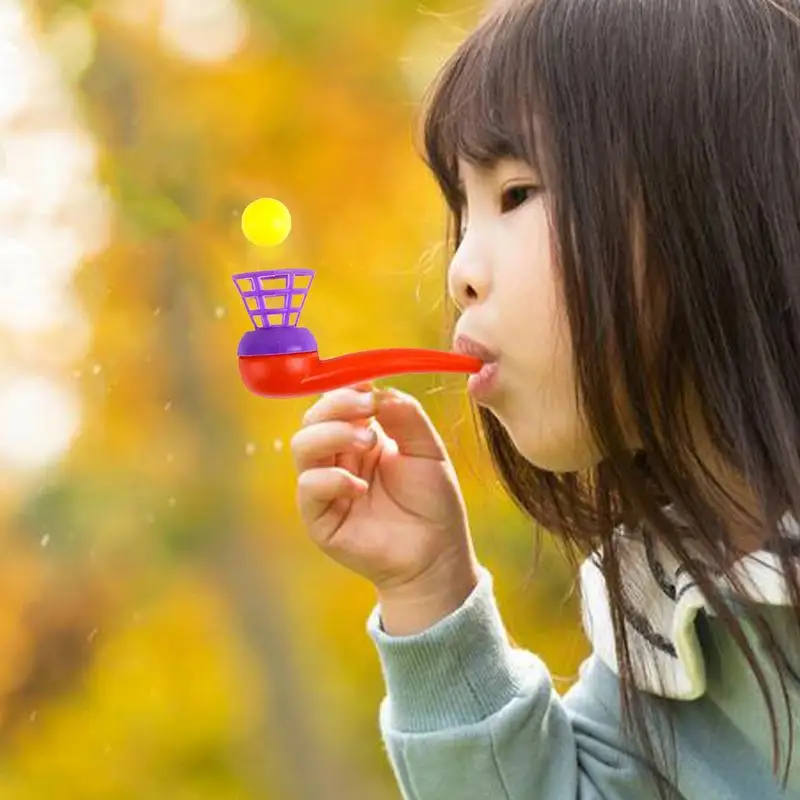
(305, 373)
(278, 359)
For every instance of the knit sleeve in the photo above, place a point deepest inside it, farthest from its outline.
(469, 716)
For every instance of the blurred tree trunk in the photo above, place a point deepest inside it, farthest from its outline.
(254, 588)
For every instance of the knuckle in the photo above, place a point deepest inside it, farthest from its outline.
(409, 399)
(311, 483)
(323, 439)
(315, 413)
(401, 400)
(305, 480)
(321, 410)
(296, 443)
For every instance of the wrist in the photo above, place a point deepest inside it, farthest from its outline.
(413, 608)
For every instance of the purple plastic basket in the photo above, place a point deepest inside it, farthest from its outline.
(274, 303)
(271, 298)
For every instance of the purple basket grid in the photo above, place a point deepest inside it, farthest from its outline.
(260, 315)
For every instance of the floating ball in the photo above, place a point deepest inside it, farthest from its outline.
(266, 222)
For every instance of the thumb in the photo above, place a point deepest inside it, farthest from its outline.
(404, 420)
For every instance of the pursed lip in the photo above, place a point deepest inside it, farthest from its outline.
(470, 347)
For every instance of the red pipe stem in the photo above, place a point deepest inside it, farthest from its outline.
(302, 374)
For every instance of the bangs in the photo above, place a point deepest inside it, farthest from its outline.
(481, 107)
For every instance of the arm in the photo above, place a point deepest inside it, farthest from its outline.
(468, 716)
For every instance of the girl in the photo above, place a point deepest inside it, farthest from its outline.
(624, 179)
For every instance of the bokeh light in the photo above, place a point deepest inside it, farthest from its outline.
(53, 215)
(38, 420)
(203, 30)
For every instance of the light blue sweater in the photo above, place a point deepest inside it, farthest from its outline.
(469, 717)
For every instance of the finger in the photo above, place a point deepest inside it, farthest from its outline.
(363, 386)
(344, 404)
(404, 420)
(318, 445)
(319, 489)
(358, 460)
(352, 459)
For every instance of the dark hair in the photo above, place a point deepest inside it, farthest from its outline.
(667, 134)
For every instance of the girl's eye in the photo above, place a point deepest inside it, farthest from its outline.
(515, 196)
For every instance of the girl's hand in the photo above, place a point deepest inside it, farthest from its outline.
(379, 495)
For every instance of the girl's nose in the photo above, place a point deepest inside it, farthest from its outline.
(469, 279)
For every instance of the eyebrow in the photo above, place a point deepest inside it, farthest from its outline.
(536, 176)
(488, 170)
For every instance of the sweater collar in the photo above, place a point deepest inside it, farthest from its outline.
(664, 601)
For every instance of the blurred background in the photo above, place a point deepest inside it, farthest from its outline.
(166, 629)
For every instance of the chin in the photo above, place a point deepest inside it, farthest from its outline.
(557, 454)
(558, 463)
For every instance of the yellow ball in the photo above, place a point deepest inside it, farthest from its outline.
(266, 222)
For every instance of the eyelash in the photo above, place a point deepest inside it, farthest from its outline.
(531, 190)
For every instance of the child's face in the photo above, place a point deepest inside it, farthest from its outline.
(503, 277)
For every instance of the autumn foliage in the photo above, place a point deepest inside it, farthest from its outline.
(166, 629)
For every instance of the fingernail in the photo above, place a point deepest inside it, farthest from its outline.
(384, 396)
(366, 402)
(365, 436)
